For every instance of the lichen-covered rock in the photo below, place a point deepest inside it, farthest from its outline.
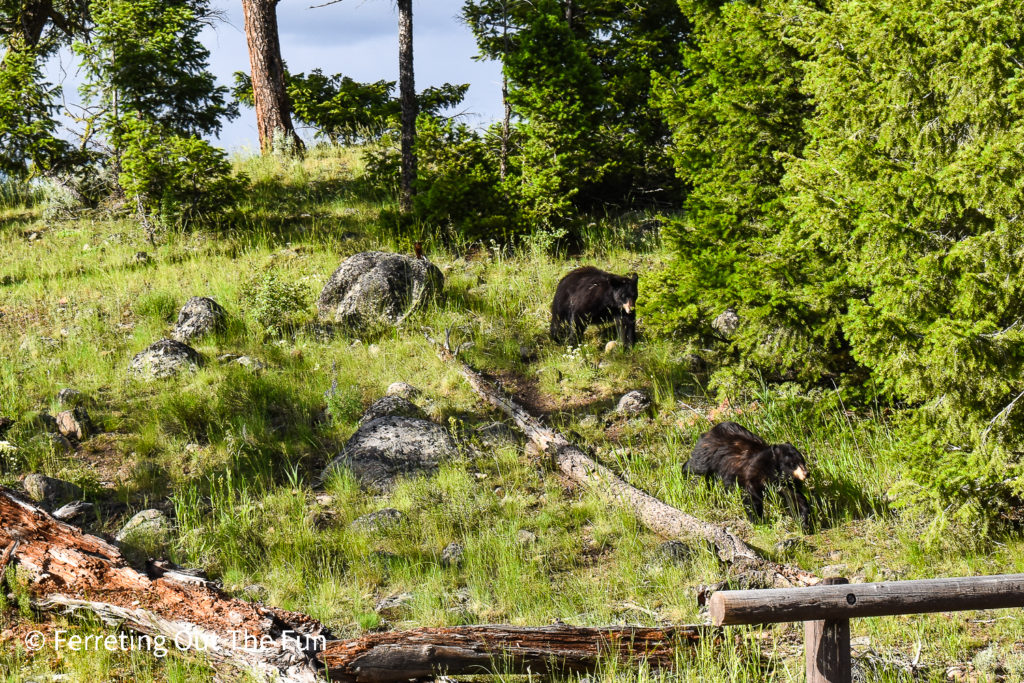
(148, 523)
(71, 398)
(452, 555)
(391, 405)
(381, 519)
(165, 358)
(634, 402)
(374, 289)
(726, 323)
(402, 390)
(48, 490)
(200, 315)
(392, 445)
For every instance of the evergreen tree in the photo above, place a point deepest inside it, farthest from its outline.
(144, 57)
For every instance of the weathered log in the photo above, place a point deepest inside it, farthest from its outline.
(69, 571)
(867, 599)
(470, 650)
(656, 515)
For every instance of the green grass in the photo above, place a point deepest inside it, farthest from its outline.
(233, 455)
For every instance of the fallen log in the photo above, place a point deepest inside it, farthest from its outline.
(653, 513)
(69, 571)
(396, 656)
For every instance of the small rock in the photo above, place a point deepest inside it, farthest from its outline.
(43, 422)
(726, 323)
(611, 346)
(392, 405)
(452, 555)
(324, 499)
(75, 424)
(72, 510)
(199, 316)
(589, 421)
(832, 570)
(70, 398)
(786, 545)
(381, 519)
(393, 604)
(526, 537)
(402, 390)
(634, 403)
(48, 490)
(255, 591)
(251, 363)
(61, 443)
(165, 358)
(835, 556)
(146, 523)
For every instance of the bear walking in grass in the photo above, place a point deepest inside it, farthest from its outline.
(739, 457)
(590, 296)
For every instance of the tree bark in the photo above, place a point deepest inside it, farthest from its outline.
(273, 108)
(407, 95)
(656, 515)
(472, 650)
(69, 571)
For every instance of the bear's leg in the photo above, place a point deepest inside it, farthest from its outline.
(755, 499)
(803, 508)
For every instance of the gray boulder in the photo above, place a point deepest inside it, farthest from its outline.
(199, 316)
(374, 289)
(726, 323)
(392, 405)
(634, 402)
(452, 554)
(165, 358)
(50, 491)
(389, 446)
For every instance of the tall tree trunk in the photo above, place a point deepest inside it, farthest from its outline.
(506, 123)
(407, 93)
(273, 109)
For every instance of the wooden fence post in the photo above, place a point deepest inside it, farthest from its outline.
(827, 647)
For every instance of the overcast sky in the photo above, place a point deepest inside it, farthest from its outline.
(357, 38)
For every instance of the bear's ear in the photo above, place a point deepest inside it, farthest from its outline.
(634, 277)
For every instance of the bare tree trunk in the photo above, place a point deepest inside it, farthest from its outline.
(652, 513)
(506, 123)
(273, 108)
(424, 653)
(407, 94)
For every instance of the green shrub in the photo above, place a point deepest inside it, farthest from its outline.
(275, 305)
(176, 179)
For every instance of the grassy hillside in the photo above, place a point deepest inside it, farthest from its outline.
(232, 454)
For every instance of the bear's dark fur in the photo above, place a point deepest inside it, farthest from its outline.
(736, 456)
(589, 296)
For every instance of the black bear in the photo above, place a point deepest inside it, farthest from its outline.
(590, 296)
(737, 456)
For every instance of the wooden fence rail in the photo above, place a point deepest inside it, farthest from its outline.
(827, 609)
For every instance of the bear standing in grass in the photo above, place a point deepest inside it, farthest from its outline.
(737, 456)
(590, 296)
